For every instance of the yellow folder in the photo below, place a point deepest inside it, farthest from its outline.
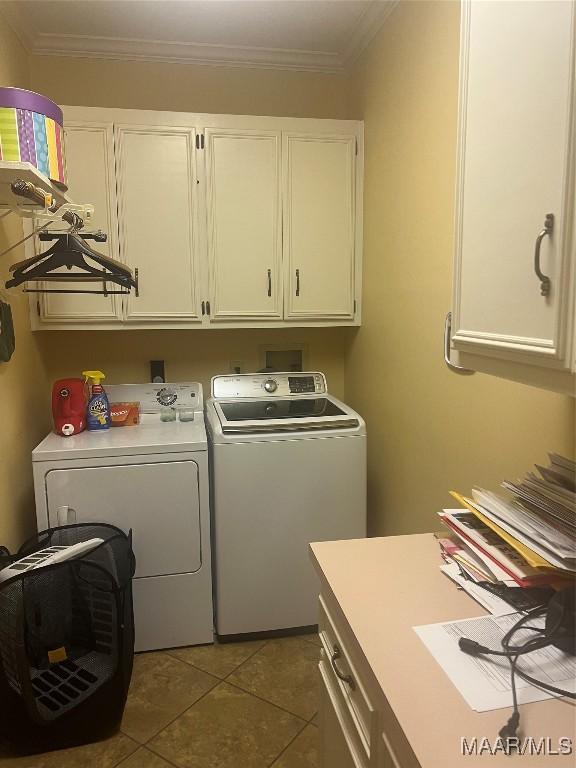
(531, 557)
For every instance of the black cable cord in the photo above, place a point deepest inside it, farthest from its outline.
(532, 645)
(510, 728)
(513, 653)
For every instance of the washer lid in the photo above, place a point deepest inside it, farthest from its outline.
(283, 415)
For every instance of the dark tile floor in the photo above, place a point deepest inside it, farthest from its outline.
(247, 705)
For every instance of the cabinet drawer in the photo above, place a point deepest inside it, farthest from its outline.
(348, 680)
(340, 742)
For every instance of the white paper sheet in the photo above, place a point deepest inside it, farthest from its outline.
(484, 681)
(492, 603)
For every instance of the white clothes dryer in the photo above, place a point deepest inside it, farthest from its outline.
(153, 479)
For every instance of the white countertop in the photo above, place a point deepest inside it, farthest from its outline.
(385, 587)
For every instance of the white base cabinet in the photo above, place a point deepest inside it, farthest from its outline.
(515, 251)
(385, 700)
(231, 221)
(357, 728)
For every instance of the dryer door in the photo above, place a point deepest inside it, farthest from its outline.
(159, 502)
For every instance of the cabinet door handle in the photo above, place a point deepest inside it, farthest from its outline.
(269, 282)
(447, 334)
(203, 308)
(208, 308)
(545, 283)
(297, 282)
(348, 679)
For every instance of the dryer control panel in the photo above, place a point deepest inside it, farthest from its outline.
(153, 396)
(258, 385)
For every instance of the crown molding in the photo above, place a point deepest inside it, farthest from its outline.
(88, 46)
(134, 49)
(367, 28)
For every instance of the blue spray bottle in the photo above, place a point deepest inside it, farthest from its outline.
(98, 410)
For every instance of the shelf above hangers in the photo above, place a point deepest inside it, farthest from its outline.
(10, 171)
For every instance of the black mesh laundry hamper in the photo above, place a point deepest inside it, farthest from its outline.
(66, 639)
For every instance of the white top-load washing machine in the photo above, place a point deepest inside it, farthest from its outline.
(288, 464)
(151, 478)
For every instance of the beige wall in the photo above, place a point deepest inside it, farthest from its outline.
(24, 414)
(429, 430)
(189, 355)
(184, 87)
(189, 87)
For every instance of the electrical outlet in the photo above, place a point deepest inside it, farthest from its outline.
(157, 374)
(236, 366)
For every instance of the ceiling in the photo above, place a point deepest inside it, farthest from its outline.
(314, 35)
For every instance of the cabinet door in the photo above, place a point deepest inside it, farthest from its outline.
(243, 223)
(157, 209)
(319, 225)
(90, 170)
(517, 81)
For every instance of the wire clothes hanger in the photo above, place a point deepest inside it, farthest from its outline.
(70, 251)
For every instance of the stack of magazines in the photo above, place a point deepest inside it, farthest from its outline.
(524, 537)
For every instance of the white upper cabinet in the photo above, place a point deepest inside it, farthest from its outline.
(244, 225)
(157, 179)
(514, 279)
(319, 225)
(232, 221)
(90, 167)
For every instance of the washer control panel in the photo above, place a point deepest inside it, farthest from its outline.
(302, 384)
(258, 385)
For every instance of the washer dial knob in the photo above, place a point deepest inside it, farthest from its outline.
(270, 385)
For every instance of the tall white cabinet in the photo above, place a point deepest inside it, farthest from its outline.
(231, 221)
(513, 311)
